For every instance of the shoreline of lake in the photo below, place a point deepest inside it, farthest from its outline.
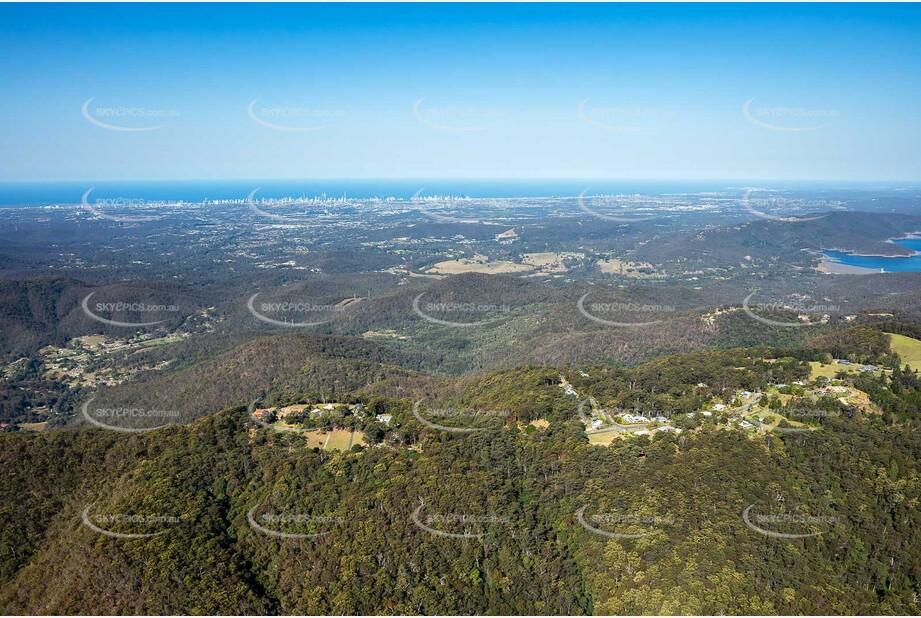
(850, 263)
(831, 266)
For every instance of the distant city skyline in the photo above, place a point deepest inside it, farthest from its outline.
(493, 92)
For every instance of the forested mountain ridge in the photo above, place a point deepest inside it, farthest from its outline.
(857, 232)
(269, 368)
(498, 521)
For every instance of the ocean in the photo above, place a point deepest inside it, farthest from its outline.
(48, 193)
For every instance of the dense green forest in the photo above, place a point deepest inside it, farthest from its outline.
(466, 482)
(419, 520)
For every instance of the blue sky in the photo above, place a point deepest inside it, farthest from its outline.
(449, 91)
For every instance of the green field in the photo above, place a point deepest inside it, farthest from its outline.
(908, 349)
(820, 370)
(342, 440)
(160, 341)
(92, 340)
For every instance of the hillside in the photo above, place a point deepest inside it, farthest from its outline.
(908, 349)
(432, 522)
(783, 241)
(268, 368)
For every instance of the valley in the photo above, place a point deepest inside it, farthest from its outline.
(402, 389)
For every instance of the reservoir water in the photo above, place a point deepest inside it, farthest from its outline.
(886, 264)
